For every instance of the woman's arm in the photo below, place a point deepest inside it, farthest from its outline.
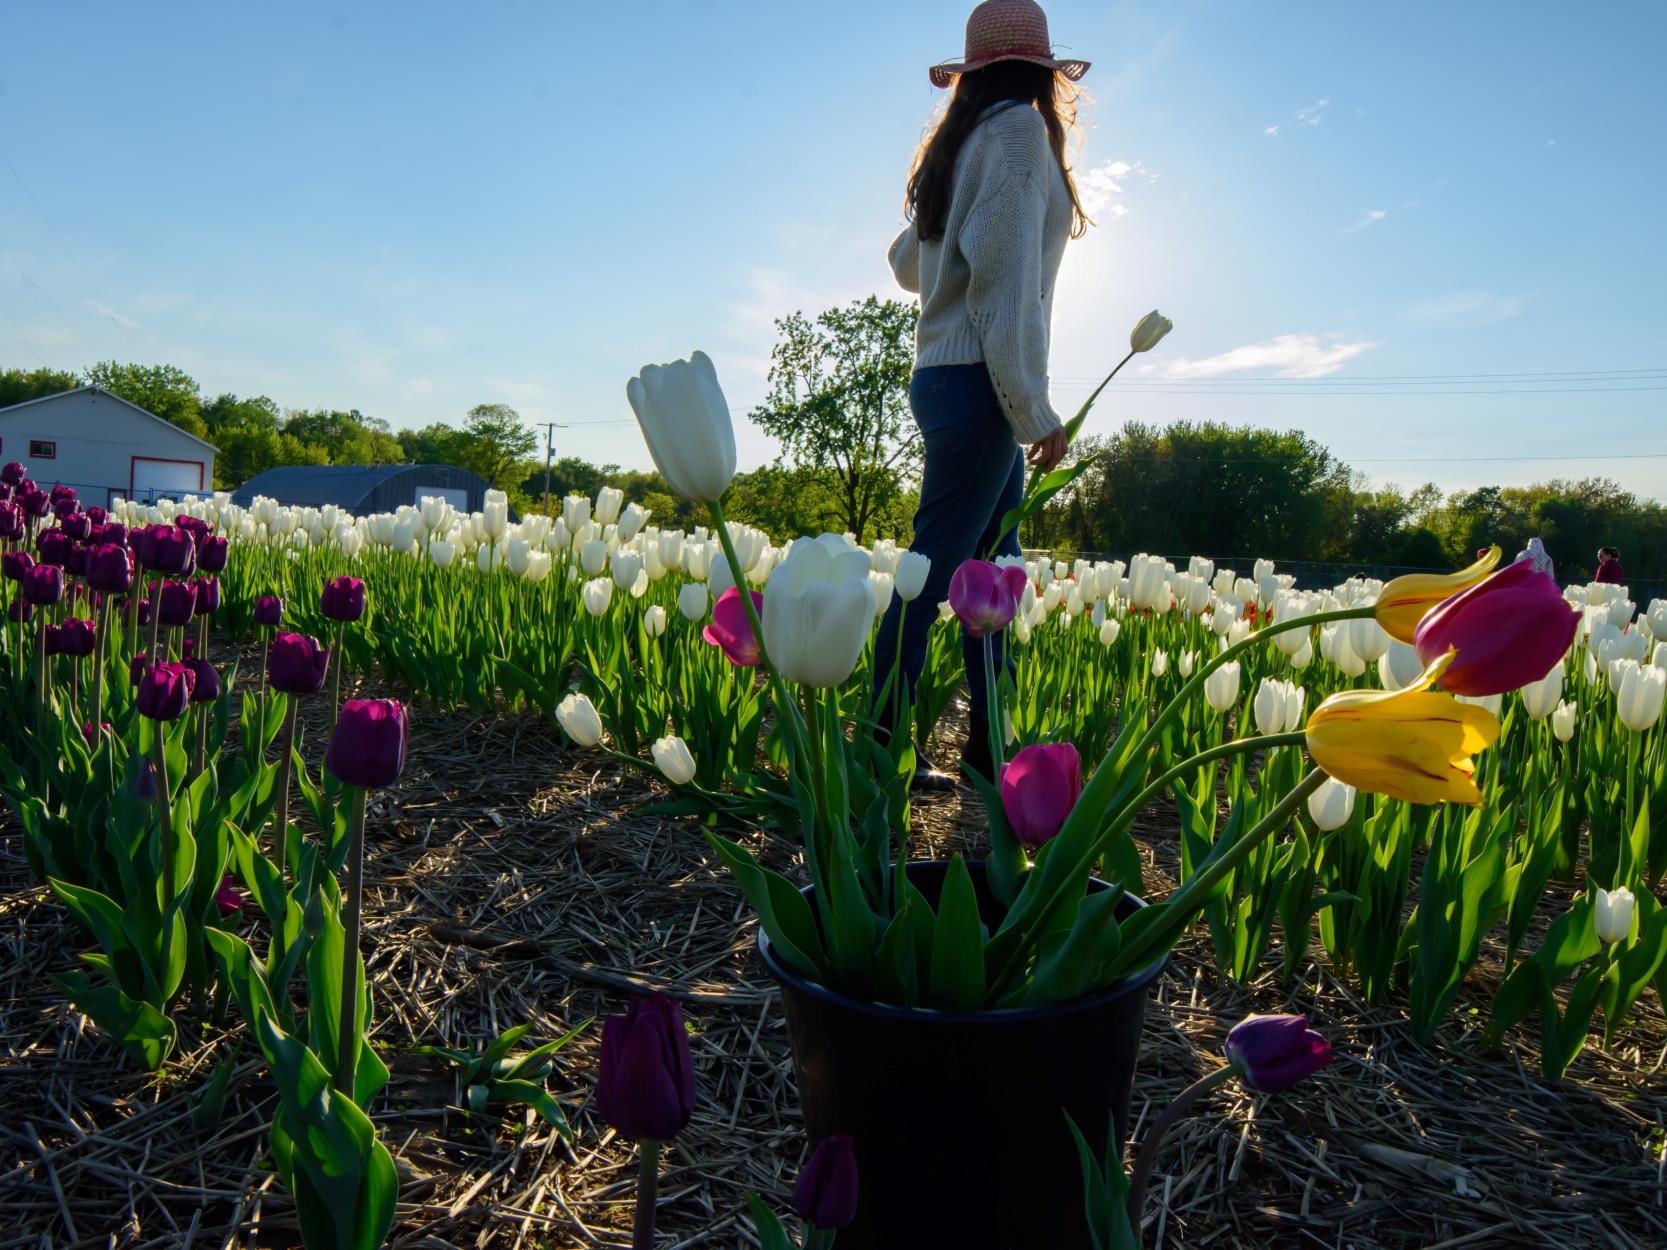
(905, 259)
(1002, 241)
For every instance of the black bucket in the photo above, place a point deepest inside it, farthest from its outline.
(958, 1118)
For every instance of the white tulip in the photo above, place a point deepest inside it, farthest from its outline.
(538, 567)
(593, 557)
(672, 758)
(494, 519)
(598, 593)
(1296, 702)
(883, 584)
(691, 601)
(579, 720)
(442, 553)
(1612, 914)
(686, 424)
(1639, 695)
(626, 568)
(631, 521)
(517, 553)
(1399, 666)
(1268, 707)
(1160, 663)
(818, 610)
(1108, 632)
(1540, 698)
(1187, 660)
(1221, 688)
(654, 621)
(912, 570)
(608, 500)
(1331, 805)
(1149, 331)
(1562, 720)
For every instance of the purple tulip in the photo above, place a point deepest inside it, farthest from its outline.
(1039, 787)
(296, 664)
(165, 691)
(167, 549)
(77, 525)
(52, 643)
(61, 494)
(43, 585)
(205, 687)
(269, 611)
(825, 1195)
(77, 637)
(1508, 630)
(33, 502)
(97, 515)
(208, 595)
(136, 668)
(177, 604)
(144, 782)
(11, 521)
(18, 611)
(90, 731)
(110, 568)
(194, 526)
(730, 629)
(368, 747)
(986, 596)
(211, 554)
(75, 563)
(1276, 1052)
(645, 1080)
(227, 897)
(14, 474)
(16, 564)
(54, 546)
(343, 599)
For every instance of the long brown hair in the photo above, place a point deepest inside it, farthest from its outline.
(1052, 95)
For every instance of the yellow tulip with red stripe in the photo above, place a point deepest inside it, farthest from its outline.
(1408, 599)
(1415, 744)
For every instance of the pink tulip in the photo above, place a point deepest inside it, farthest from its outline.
(732, 631)
(1508, 630)
(986, 596)
(1039, 787)
(227, 897)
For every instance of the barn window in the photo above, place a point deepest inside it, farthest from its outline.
(42, 449)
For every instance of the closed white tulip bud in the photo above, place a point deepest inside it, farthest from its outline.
(627, 566)
(639, 588)
(494, 519)
(1149, 331)
(654, 621)
(1238, 632)
(1020, 629)
(579, 721)
(1268, 707)
(1186, 662)
(1222, 616)
(1160, 663)
(946, 611)
(593, 556)
(1073, 601)
(885, 556)
(691, 601)
(442, 553)
(1612, 914)
(608, 500)
(1660, 660)
(912, 571)
(516, 555)
(1639, 694)
(598, 594)
(818, 611)
(1562, 720)
(1097, 614)
(487, 559)
(1052, 595)
(631, 521)
(1399, 666)
(697, 558)
(686, 424)
(1296, 703)
(1540, 698)
(721, 577)
(1368, 640)
(538, 567)
(672, 758)
(1331, 805)
(575, 513)
(1109, 631)
(1221, 688)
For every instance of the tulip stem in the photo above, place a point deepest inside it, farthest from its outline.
(1141, 1174)
(164, 807)
(336, 690)
(285, 759)
(348, 1043)
(648, 1186)
(155, 620)
(101, 646)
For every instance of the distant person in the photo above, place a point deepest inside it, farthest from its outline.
(1609, 566)
(991, 204)
(1536, 554)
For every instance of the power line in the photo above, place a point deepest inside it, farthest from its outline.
(67, 322)
(41, 212)
(1501, 376)
(1137, 388)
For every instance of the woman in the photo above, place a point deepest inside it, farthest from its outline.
(1609, 566)
(991, 204)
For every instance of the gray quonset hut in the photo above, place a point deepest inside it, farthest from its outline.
(362, 489)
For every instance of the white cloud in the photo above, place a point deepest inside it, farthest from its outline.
(1370, 218)
(1098, 186)
(104, 310)
(1310, 116)
(1270, 130)
(1469, 308)
(1289, 356)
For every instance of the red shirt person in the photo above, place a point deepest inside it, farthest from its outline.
(1609, 566)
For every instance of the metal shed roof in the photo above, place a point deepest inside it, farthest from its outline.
(349, 485)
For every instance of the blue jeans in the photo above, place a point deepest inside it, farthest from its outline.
(974, 473)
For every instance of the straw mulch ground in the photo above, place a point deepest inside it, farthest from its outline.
(510, 882)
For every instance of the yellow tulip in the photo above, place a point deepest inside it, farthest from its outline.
(1414, 744)
(1405, 601)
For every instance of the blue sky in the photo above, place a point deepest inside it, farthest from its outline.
(413, 208)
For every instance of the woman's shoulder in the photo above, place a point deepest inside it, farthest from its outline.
(1010, 140)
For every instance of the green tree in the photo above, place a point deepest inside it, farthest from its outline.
(346, 437)
(493, 443)
(162, 390)
(18, 386)
(839, 406)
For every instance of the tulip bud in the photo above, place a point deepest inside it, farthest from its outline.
(205, 687)
(673, 759)
(1039, 787)
(645, 1081)
(368, 746)
(686, 423)
(1331, 805)
(177, 604)
(730, 629)
(598, 593)
(1639, 694)
(579, 720)
(165, 691)
(1221, 688)
(269, 611)
(825, 1195)
(296, 664)
(911, 574)
(1149, 331)
(1612, 914)
(1276, 1052)
(1160, 663)
(1562, 720)
(343, 599)
(654, 621)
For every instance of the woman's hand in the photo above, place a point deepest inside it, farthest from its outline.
(1047, 453)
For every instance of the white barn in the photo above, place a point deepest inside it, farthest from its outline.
(104, 446)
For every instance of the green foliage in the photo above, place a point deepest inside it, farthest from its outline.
(494, 1074)
(162, 390)
(839, 406)
(18, 386)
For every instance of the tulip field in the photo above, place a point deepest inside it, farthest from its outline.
(396, 879)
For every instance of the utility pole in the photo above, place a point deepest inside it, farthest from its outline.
(550, 428)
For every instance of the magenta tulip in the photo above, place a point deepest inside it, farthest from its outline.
(77, 637)
(730, 629)
(178, 603)
(367, 748)
(43, 585)
(227, 897)
(296, 664)
(14, 474)
(269, 611)
(986, 596)
(1276, 1051)
(165, 691)
(1039, 787)
(645, 1080)
(825, 1195)
(211, 554)
(1508, 631)
(14, 564)
(343, 599)
(206, 687)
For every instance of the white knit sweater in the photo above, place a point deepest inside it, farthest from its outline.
(986, 288)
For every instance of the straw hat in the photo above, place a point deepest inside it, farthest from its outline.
(1006, 30)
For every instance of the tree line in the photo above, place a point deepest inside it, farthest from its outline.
(849, 460)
